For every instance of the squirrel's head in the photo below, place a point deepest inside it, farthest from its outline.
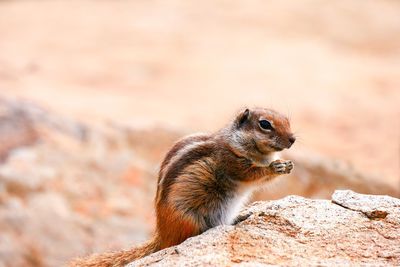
(262, 131)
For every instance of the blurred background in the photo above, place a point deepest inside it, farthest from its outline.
(93, 93)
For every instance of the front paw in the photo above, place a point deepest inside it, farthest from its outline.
(281, 166)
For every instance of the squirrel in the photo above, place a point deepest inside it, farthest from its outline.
(206, 178)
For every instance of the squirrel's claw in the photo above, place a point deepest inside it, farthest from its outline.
(281, 167)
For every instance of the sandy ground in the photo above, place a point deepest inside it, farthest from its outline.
(334, 67)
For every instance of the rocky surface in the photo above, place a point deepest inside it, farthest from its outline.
(351, 229)
(69, 188)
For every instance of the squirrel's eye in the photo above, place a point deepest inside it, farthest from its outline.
(266, 125)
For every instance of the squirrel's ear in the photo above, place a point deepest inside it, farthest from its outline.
(243, 116)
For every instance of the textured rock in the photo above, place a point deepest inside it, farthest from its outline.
(352, 229)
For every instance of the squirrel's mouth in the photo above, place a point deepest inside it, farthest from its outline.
(277, 147)
(268, 149)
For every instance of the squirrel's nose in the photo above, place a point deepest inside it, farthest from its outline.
(292, 139)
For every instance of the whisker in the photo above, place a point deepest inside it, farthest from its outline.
(288, 113)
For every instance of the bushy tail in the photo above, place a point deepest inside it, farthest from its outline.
(118, 258)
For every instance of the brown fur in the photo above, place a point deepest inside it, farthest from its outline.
(203, 176)
(118, 258)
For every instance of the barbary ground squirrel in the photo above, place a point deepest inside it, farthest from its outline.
(206, 178)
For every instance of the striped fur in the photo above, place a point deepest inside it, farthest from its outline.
(205, 179)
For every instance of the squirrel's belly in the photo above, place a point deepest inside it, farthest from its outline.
(235, 204)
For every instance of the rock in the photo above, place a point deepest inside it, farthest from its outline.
(374, 207)
(352, 229)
